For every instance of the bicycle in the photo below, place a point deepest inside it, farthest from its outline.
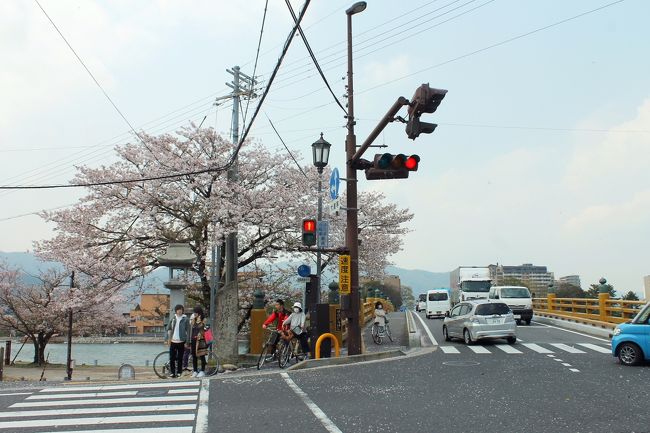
(163, 370)
(268, 353)
(289, 349)
(379, 332)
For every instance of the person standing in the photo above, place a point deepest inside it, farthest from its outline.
(179, 337)
(199, 345)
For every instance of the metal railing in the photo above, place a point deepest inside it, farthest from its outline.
(602, 311)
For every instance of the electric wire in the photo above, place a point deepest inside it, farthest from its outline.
(257, 56)
(313, 57)
(192, 172)
(285, 145)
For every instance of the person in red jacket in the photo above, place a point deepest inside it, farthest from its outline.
(279, 314)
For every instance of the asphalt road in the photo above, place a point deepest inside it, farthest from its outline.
(550, 381)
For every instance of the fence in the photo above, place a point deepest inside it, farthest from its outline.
(603, 311)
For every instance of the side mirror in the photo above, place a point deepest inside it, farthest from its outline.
(446, 313)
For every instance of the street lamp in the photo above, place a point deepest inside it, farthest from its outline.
(321, 153)
(351, 231)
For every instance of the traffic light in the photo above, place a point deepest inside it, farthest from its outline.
(425, 100)
(388, 166)
(309, 232)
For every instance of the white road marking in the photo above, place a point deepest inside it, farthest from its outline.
(16, 393)
(479, 349)
(551, 356)
(81, 395)
(102, 401)
(129, 386)
(318, 413)
(558, 360)
(202, 412)
(566, 364)
(132, 430)
(537, 348)
(572, 332)
(426, 328)
(449, 349)
(566, 348)
(183, 391)
(48, 422)
(508, 349)
(595, 347)
(96, 410)
(575, 370)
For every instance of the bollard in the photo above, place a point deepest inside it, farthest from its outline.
(7, 356)
(2, 350)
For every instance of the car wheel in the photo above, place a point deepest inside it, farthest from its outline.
(446, 333)
(518, 322)
(630, 354)
(467, 337)
(511, 340)
(528, 322)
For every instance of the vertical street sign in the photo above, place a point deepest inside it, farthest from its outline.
(322, 234)
(334, 184)
(344, 274)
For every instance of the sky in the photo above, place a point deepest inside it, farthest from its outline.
(541, 154)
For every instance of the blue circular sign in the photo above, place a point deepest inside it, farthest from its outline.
(334, 184)
(304, 270)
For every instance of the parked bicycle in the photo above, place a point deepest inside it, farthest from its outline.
(289, 349)
(268, 353)
(379, 332)
(163, 370)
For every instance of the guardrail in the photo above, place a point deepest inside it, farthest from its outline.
(603, 311)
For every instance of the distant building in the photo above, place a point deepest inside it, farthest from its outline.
(537, 277)
(646, 287)
(574, 280)
(148, 317)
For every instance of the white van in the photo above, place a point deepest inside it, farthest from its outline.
(438, 303)
(518, 299)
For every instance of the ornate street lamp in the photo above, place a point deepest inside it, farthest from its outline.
(321, 153)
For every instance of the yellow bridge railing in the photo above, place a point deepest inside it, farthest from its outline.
(603, 311)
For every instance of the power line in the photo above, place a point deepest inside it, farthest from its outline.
(193, 172)
(257, 55)
(88, 70)
(313, 57)
(285, 146)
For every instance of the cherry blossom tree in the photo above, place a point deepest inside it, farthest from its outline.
(40, 311)
(121, 229)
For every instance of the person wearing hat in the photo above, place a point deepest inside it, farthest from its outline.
(296, 322)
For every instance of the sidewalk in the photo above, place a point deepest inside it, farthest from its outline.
(79, 374)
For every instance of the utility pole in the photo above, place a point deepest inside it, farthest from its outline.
(242, 86)
(69, 359)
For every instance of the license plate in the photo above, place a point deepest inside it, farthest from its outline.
(494, 321)
(517, 316)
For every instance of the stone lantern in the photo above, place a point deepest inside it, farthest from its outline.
(179, 258)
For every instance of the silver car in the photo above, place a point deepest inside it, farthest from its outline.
(480, 319)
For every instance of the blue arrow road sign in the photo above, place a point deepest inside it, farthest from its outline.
(334, 184)
(304, 270)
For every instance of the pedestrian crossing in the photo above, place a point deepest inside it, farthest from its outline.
(522, 348)
(125, 408)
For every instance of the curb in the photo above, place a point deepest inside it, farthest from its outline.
(574, 326)
(351, 359)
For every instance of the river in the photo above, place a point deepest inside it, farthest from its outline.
(136, 354)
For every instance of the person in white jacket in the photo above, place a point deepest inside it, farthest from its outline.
(296, 322)
(380, 314)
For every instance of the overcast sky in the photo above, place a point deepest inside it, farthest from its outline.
(541, 155)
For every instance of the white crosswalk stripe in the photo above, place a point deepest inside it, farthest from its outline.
(161, 407)
(523, 348)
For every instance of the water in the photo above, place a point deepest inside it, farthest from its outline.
(136, 354)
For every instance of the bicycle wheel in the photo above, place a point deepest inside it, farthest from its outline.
(388, 334)
(161, 365)
(375, 334)
(285, 355)
(211, 364)
(262, 359)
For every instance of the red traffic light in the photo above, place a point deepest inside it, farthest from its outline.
(412, 162)
(309, 226)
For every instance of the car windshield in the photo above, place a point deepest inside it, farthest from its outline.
(422, 298)
(438, 296)
(490, 309)
(515, 292)
(476, 286)
(643, 315)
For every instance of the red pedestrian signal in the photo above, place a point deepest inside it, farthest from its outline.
(309, 232)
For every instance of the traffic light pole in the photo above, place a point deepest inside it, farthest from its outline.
(352, 230)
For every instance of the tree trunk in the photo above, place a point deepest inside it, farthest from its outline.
(36, 358)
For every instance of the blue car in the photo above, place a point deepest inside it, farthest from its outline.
(631, 341)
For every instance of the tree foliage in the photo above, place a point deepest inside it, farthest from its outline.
(630, 296)
(567, 290)
(594, 290)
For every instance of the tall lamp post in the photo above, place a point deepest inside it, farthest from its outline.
(351, 232)
(321, 154)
